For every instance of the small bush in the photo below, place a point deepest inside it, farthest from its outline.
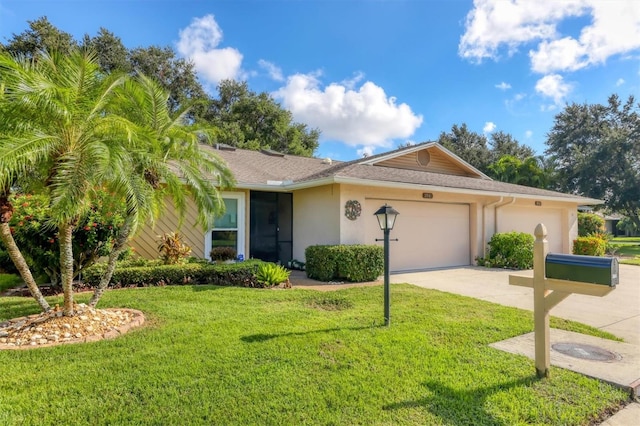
(354, 263)
(512, 250)
(222, 253)
(172, 249)
(270, 274)
(590, 246)
(588, 223)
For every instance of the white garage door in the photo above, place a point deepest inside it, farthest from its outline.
(430, 235)
(525, 219)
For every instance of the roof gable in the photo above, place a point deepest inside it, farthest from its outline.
(426, 157)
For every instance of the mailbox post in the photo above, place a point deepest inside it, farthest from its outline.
(575, 275)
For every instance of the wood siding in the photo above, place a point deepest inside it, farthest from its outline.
(439, 163)
(146, 242)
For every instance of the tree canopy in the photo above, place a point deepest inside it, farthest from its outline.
(255, 120)
(501, 156)
(245, 119)
(596, 149)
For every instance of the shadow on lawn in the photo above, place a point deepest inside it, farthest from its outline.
(254, 338)
(461, 407)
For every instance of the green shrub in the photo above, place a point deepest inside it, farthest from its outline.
(240, 274)
(354, 263)
(512, 250)
(270, 274)
(222, 253)
(93, 235)
(590, 246)
(588, 223)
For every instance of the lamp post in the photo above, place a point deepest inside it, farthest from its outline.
(386, 219)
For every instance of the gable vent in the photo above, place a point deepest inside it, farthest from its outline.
(423, 157)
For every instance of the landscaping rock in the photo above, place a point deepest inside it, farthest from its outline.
(51, 328)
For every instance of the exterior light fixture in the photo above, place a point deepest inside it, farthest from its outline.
(386, 216)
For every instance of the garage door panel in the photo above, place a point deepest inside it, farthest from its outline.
(430, 235)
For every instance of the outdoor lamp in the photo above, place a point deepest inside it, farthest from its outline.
(386, 216)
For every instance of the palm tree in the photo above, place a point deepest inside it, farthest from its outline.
(82, 131)
(56, 129)
(172, 166)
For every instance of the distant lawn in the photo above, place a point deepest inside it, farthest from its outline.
(214, 355)
(629, 247)
(8, 281)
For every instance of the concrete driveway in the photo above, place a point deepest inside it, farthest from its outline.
(618, 312)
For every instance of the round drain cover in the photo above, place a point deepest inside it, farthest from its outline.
(578, 350)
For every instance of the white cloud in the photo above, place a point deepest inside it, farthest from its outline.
(199, 42)
(366, 151)
(272, 69)
(493, 25)
(364, 116)
(620, 82)
(489, 127)
(553, 86)
(503, 86)
(528, 134)
(351, 83)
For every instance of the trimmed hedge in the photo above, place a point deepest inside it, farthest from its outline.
(590, 246)
(241, 274)
(354, 262)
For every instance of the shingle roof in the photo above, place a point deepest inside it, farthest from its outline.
(261, 169)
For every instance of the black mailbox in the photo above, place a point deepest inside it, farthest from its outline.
(586, 269)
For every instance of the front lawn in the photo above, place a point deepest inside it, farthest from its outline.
(221, 355)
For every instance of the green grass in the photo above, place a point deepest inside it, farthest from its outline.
(213, 355)
(8, 281)
(629, 248)
(626, 240)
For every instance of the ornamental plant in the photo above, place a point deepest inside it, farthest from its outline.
(172, 250)
(590, 246)
(271, 274)
(92, 238)
(222, 253)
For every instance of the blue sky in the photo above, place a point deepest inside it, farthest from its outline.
(375, 74)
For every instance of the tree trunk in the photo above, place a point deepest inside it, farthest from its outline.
(65, 232)
(21, 265)
(118, 247)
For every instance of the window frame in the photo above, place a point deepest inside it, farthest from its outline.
(240, 225)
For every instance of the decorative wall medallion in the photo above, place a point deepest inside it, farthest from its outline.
(352, 209)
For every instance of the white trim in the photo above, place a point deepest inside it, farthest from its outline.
(240, 249)
(390, 184)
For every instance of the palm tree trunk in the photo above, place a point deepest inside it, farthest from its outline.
(21, 265)
(66, 266)
(118, 247)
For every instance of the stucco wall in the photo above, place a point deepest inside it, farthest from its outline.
(316, 218)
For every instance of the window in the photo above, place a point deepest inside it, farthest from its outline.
(228, 230)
